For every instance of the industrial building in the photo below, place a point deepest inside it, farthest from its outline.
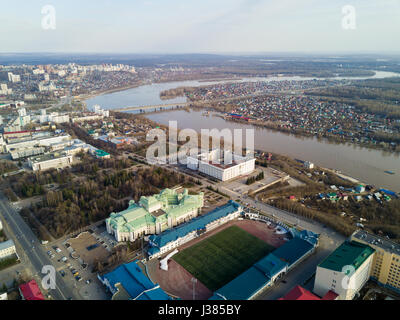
(221, 165)
(128, 282)
(169, 240)
(48, 161)
(272, 267)
(386, 261)
(35, 140)
(154, 214)
(345, 271)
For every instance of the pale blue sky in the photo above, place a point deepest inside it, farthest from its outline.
(181, 26)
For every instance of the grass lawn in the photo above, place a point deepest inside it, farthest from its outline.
(8, 262)
(219, 259)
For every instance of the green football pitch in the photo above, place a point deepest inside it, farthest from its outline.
(219, 259)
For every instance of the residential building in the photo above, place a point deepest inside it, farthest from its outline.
(386, 262)
(345, 271)
(7, 249)
(222, 165)
(154, 214)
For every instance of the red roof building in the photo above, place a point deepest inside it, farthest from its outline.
(299, 293)
(30, 291)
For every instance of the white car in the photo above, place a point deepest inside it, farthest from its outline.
(58, 250)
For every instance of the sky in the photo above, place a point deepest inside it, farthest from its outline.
(199, 26)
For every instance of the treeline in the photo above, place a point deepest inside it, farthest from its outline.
(357, 93)
(75, 130)
(258, 177)
(177, 92)
(102, 192)
(332, 221)
(7, 166)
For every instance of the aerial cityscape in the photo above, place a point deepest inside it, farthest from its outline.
(203, 160)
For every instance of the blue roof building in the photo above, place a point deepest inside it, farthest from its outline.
(128, 282)
(197, 224)
(264, 272)
(249, 283)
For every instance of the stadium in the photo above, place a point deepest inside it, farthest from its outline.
(226, 254)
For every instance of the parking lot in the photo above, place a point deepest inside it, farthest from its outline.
(239, 185)
(75, 265)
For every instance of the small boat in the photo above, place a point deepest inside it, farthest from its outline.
(389, 172)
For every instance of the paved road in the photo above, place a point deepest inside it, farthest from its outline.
(30, 246)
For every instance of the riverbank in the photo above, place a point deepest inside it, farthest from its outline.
(363, 164)
(95, 94)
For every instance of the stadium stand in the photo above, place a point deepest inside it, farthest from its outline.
(128, 282)
(266, 271)
(188, 231)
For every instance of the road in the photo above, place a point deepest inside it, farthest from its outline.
(29, 248)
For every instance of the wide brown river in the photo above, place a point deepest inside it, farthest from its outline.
(366, 165)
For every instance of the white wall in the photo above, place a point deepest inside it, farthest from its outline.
(326, 280)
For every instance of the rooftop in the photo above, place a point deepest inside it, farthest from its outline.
(134, 283)
(195, 224)
(156, 208)
(31, 291)
(380, 242)
(6, 244)
(299, 293)
(349, 253)
(48, 156)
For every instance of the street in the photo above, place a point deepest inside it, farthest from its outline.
(29, 249)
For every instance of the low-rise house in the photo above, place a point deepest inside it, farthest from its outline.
(7, 249)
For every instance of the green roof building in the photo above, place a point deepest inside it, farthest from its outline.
(345, 271)
(154, 214)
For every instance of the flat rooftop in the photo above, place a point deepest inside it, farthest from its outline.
(349, 253)
(48, 156)
(378, 241)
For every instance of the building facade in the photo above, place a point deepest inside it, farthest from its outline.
(7, 249)
(345, 271)
(154, 214)
(173, 238)
(221, 165)
(386, 261)
(48, 161)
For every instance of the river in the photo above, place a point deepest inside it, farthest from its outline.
(367, 165)
(149, 95)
